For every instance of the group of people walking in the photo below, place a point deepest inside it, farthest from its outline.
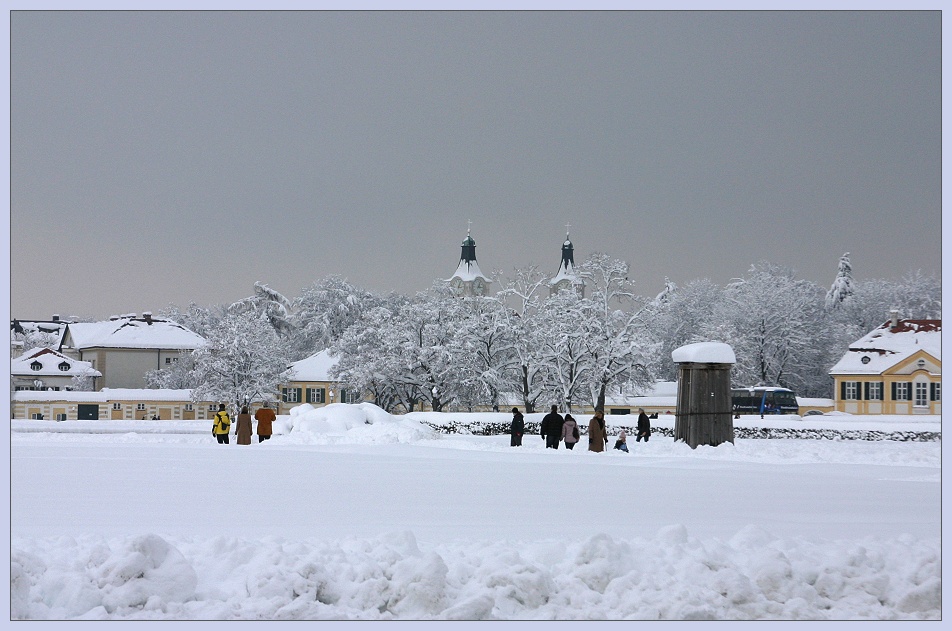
(222, 425)
(555, 429)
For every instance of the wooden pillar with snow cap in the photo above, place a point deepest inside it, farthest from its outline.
(703, 415)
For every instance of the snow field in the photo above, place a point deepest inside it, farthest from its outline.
(351, 514)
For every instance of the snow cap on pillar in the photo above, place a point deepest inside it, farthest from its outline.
(704, 353)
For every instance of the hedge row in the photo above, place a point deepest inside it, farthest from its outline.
(496, 429)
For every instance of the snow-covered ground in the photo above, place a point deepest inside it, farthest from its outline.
(349, 513)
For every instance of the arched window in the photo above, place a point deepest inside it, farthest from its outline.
(64, 366)
(36, 366)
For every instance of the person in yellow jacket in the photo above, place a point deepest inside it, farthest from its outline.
(222, 425)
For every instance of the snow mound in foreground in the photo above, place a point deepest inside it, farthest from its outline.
(670, 576)
(352, 423)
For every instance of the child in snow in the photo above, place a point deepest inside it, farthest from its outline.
(622, 442)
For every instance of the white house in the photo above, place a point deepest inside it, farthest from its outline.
(125, 348)
(46, 369)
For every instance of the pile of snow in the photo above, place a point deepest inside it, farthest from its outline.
(704, 353)
(350, 423)
(666, 576)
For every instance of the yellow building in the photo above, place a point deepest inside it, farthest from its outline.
(111, 404)
(311, 383)
(894, 369)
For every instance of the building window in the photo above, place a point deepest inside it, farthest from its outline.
(851, 390)
(349, 396)
(170, 360)
(60, 417)
(874, 391)
(291, 395)
(188, 407)
(37, 416)
(901, 391)
(921, 363)
(140, 406)
(64, 367)
(212, 408)
(922, 394)
(117, 406)
(36, 366)
(316, 395)
(935, 391)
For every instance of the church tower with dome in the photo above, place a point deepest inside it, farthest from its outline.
(468, 280)
(567, 277)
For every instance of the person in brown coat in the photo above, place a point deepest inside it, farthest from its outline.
(265, 417)
(597, 436)
(243, 427)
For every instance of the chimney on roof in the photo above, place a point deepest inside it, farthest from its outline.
(893, 319)
(147, 316)
(55, 317)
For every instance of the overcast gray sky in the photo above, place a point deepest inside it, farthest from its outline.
(169, 157)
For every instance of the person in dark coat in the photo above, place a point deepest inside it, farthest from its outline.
(597, 436)
(570, 432)
(243, 427)
(644, 426)
(516, 428)
(551, 428)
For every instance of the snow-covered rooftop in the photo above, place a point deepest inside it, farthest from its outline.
(129, 331)
(50, 362)
(468, 271)
(53, 327)
(885, 346)
(704, 353)
(317, 367)
(105, 395)
(566, 272)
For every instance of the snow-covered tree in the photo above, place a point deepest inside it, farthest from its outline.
(919, 296)
(842, 287)
(485, 348)
(34, 338)
(242, 361)
(269, 304)
(323, 312)
(82, 383)
(199, 320)
(616, 338)
(769, 318)
(523, 293)
(680, 319)
(367, 361)
(561, 340)
(414, 346)
(180, 375)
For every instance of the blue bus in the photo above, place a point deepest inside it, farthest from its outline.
(764, 400)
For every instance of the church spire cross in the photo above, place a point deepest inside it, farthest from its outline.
(469, 226)
(567, 226)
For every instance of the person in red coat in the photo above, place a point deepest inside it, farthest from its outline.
(265, 417)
